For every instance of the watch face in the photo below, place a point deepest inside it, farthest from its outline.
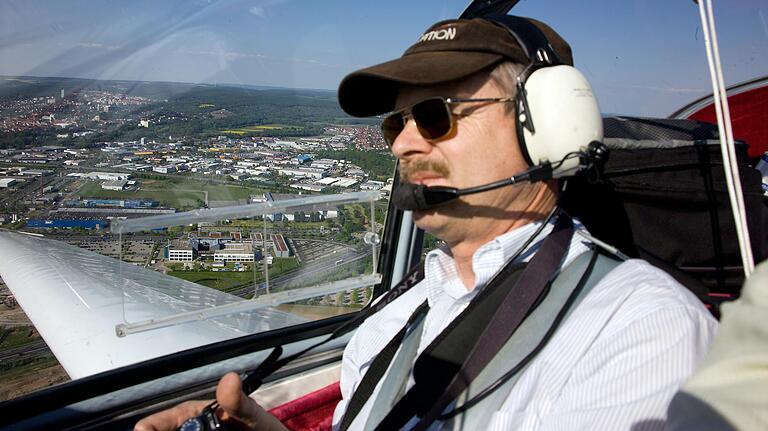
(193, 424)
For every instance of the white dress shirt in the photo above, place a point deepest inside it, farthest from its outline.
(614, 364)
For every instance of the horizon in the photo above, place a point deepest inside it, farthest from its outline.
(212, 84)
(642, 59)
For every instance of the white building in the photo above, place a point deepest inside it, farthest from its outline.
(107, 176)
(165, 169)
(283, 144)
(327, 181)
(308, 187)
(180, 255)
(372, 185)
(33, 173)
(235, 252)
(7, 182)
(303, 172)
(345, 182)
(114, 185)
(356, 172)
(325, 163)
(180, 251)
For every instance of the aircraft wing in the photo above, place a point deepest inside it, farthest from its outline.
(75, 297)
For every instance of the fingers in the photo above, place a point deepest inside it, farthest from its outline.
(235, 408)
(241, 409)
(171, 419)
(235, 403)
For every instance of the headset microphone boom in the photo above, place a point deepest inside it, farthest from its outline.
(410, 197)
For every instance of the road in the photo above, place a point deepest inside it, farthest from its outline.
(36, 348)
(103, 236)
(306, 272)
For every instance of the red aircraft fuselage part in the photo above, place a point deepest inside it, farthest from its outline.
(749, 117)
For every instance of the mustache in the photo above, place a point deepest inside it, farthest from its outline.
(407, 170)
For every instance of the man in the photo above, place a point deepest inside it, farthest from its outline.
(624, 350)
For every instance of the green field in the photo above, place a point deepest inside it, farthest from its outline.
(316, 312)
(258, 129)
(182, 194)
(16, 336)
(281, 265)
(230, 280)
(221, 280)
(24, 366)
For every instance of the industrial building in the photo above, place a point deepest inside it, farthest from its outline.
(307, 187)
(34, 172)
(225, 247)
(180, 251)
(117, 185)
(7, 182)
(325, 163)
(301, 159)
(372, 185)
(235, 252)
(106, 176)
(337, 182)
(280, 247)
(165, 169)
(66, 224)
(303, 172)
(102, 203)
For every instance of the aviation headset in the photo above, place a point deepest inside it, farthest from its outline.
(556, 111)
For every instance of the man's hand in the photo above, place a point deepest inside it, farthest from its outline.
(235, 408)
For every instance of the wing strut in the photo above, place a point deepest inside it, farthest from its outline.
(481, 8)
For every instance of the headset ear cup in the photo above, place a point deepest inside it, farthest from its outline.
(565, 115)
(520, 124)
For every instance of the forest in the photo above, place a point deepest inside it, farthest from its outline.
(379, 164)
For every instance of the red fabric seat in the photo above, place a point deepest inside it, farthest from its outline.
(312, 412)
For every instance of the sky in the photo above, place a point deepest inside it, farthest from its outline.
(643, 57)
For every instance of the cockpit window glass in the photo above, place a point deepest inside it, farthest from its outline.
(184, 175)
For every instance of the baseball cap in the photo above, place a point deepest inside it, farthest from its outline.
(447, 51)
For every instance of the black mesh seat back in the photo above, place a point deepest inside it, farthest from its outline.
(663, 197)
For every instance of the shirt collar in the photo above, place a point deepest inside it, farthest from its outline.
(442, 278)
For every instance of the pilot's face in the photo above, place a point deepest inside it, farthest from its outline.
(481, 149)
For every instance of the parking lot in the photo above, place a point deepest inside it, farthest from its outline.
(310, 251)
(138, 252)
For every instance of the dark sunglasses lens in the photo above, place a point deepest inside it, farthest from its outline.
(391, 127)
(432, 118)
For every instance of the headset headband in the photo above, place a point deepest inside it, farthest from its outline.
(533, 41)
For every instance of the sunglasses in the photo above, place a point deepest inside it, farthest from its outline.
(434, 117)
